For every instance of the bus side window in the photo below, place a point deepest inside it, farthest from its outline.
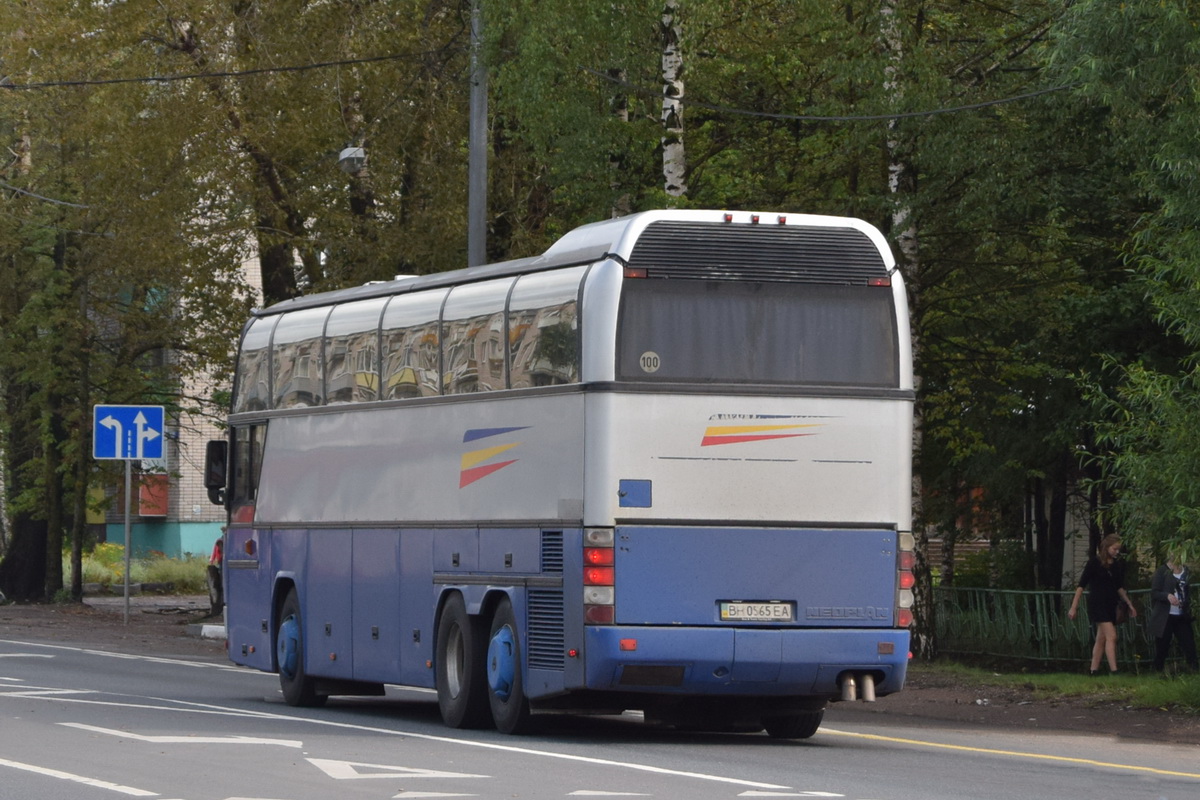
(352, 353)
(411, 346)
(296, 358)
(253, 392)
(473, 340)
(247, 465)
(543, 329)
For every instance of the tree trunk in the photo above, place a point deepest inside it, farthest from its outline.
(1051, 559)
(52, 475)
(674, 162)
(23, 570)
(622, 204)
(23, 567)
(5, 531)
(949, 544)
(902, 186)
(79, 524)
(1038, 526)
(275, 262)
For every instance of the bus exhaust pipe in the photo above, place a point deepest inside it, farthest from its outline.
(856, 686)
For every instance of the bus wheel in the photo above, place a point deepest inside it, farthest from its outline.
(506, 692)
(298, 689)
(461, 687)
(799, 725)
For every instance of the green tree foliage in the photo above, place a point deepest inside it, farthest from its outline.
(108, 266)
(267, 132)
(130, 204)
(1135, 62)
(573, 137)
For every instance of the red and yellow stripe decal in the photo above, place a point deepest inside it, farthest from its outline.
(734, 434)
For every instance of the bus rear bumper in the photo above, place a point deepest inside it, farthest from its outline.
(742, 661)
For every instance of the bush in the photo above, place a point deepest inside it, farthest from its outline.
(105, 565)
(109, 554)
(189, 574)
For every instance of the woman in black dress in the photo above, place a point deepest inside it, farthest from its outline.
(1104, 578)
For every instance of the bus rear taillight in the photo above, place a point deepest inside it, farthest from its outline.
(599, 577)
(905, 579)
(598, 556)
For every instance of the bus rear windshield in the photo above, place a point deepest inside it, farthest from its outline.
(693, 331)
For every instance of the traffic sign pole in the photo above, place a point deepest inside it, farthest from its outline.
(128, 529)
(121, 432)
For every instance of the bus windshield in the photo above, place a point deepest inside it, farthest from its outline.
(708, 331)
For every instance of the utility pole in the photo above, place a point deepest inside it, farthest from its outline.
(477, 158)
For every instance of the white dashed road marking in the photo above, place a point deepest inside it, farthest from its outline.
(349, 771)
(67, 776)
(185, 739)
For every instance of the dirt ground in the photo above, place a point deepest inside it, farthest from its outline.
(931, 694)
(169, 626)
(162, 625)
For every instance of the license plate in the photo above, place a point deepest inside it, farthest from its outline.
(756, 611)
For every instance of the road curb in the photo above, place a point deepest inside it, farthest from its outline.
(207, 631)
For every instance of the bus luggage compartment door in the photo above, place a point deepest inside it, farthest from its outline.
(771, 577)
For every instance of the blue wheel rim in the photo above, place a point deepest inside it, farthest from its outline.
(288, 649)
(502, 662)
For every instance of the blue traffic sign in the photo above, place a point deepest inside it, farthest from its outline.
(128, 432)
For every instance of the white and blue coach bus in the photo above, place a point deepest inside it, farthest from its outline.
(663, 466)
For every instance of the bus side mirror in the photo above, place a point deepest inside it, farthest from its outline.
(216, 462)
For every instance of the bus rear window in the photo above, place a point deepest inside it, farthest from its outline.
(757, 333)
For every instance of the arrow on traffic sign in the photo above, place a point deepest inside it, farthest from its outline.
(113, 425)
(143, 434)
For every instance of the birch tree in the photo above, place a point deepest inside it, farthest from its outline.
(901, 182)
(674, 152)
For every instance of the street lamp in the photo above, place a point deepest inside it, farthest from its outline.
(352, 159)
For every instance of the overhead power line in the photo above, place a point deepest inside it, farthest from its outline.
(5, 84)
(191, 76)
(19, 190)
(821, 118)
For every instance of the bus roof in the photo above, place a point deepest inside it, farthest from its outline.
(596, 241)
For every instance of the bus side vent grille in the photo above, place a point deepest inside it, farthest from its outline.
(776, 253)
(546, 641)
(552, 551)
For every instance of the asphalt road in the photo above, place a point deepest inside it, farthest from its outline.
(83, 723)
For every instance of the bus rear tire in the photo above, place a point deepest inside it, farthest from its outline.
(506, 687)
(460, 676)
(298, 688)
(798, 725)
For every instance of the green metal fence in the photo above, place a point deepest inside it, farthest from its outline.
(1033, 626)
